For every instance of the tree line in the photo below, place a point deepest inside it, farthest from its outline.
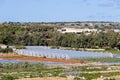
(48, 36)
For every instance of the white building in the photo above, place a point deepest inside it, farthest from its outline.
(75, 30)
(117, 30)
(3, 46)
(70, 30)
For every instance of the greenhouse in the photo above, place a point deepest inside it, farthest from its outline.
(46, 52)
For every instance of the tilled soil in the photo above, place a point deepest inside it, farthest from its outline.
(38, 59)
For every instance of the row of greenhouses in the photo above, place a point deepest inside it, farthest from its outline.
(46, 52)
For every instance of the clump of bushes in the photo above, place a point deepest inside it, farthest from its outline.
(109, 79)
(6, 50)
(7, 78)
(77, 78)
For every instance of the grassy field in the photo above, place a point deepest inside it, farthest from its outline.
(103, 59)
(28, 70)
(22, 70)
(114, 51)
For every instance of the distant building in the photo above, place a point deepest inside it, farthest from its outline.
(3, 46)
(76, 30)
(89, 30)
(117, 30)
(70, 30)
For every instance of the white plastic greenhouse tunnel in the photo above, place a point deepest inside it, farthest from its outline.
(46, 52)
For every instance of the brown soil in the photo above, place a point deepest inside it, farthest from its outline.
(11, 56)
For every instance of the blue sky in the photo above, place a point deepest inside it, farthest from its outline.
(59, 10)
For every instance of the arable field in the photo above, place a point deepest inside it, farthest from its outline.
(38, 59)
(38, 71)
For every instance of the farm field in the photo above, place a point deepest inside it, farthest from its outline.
(38, 59)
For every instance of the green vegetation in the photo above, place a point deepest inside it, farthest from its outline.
(7, 78)
(77, 78)
(48, 36)
(114, 51)
(109, 79)
(91, 72)
(6, 50)
(35, 34)
(90, 76)
(11, 71)
(20, 47)
(11, 67)
(25, 69)
(103, 59)
(87, 68)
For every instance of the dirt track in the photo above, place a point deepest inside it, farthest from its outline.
(29, 58)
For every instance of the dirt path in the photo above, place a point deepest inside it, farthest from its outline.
(39, 59)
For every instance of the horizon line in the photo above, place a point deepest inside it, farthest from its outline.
(58, 21)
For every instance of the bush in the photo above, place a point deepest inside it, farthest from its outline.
(77, 78)
(109, 79)
(7, 78)
(6, 50)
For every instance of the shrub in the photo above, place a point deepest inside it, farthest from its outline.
(6, 50)
(77, 78)
(7, 78)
